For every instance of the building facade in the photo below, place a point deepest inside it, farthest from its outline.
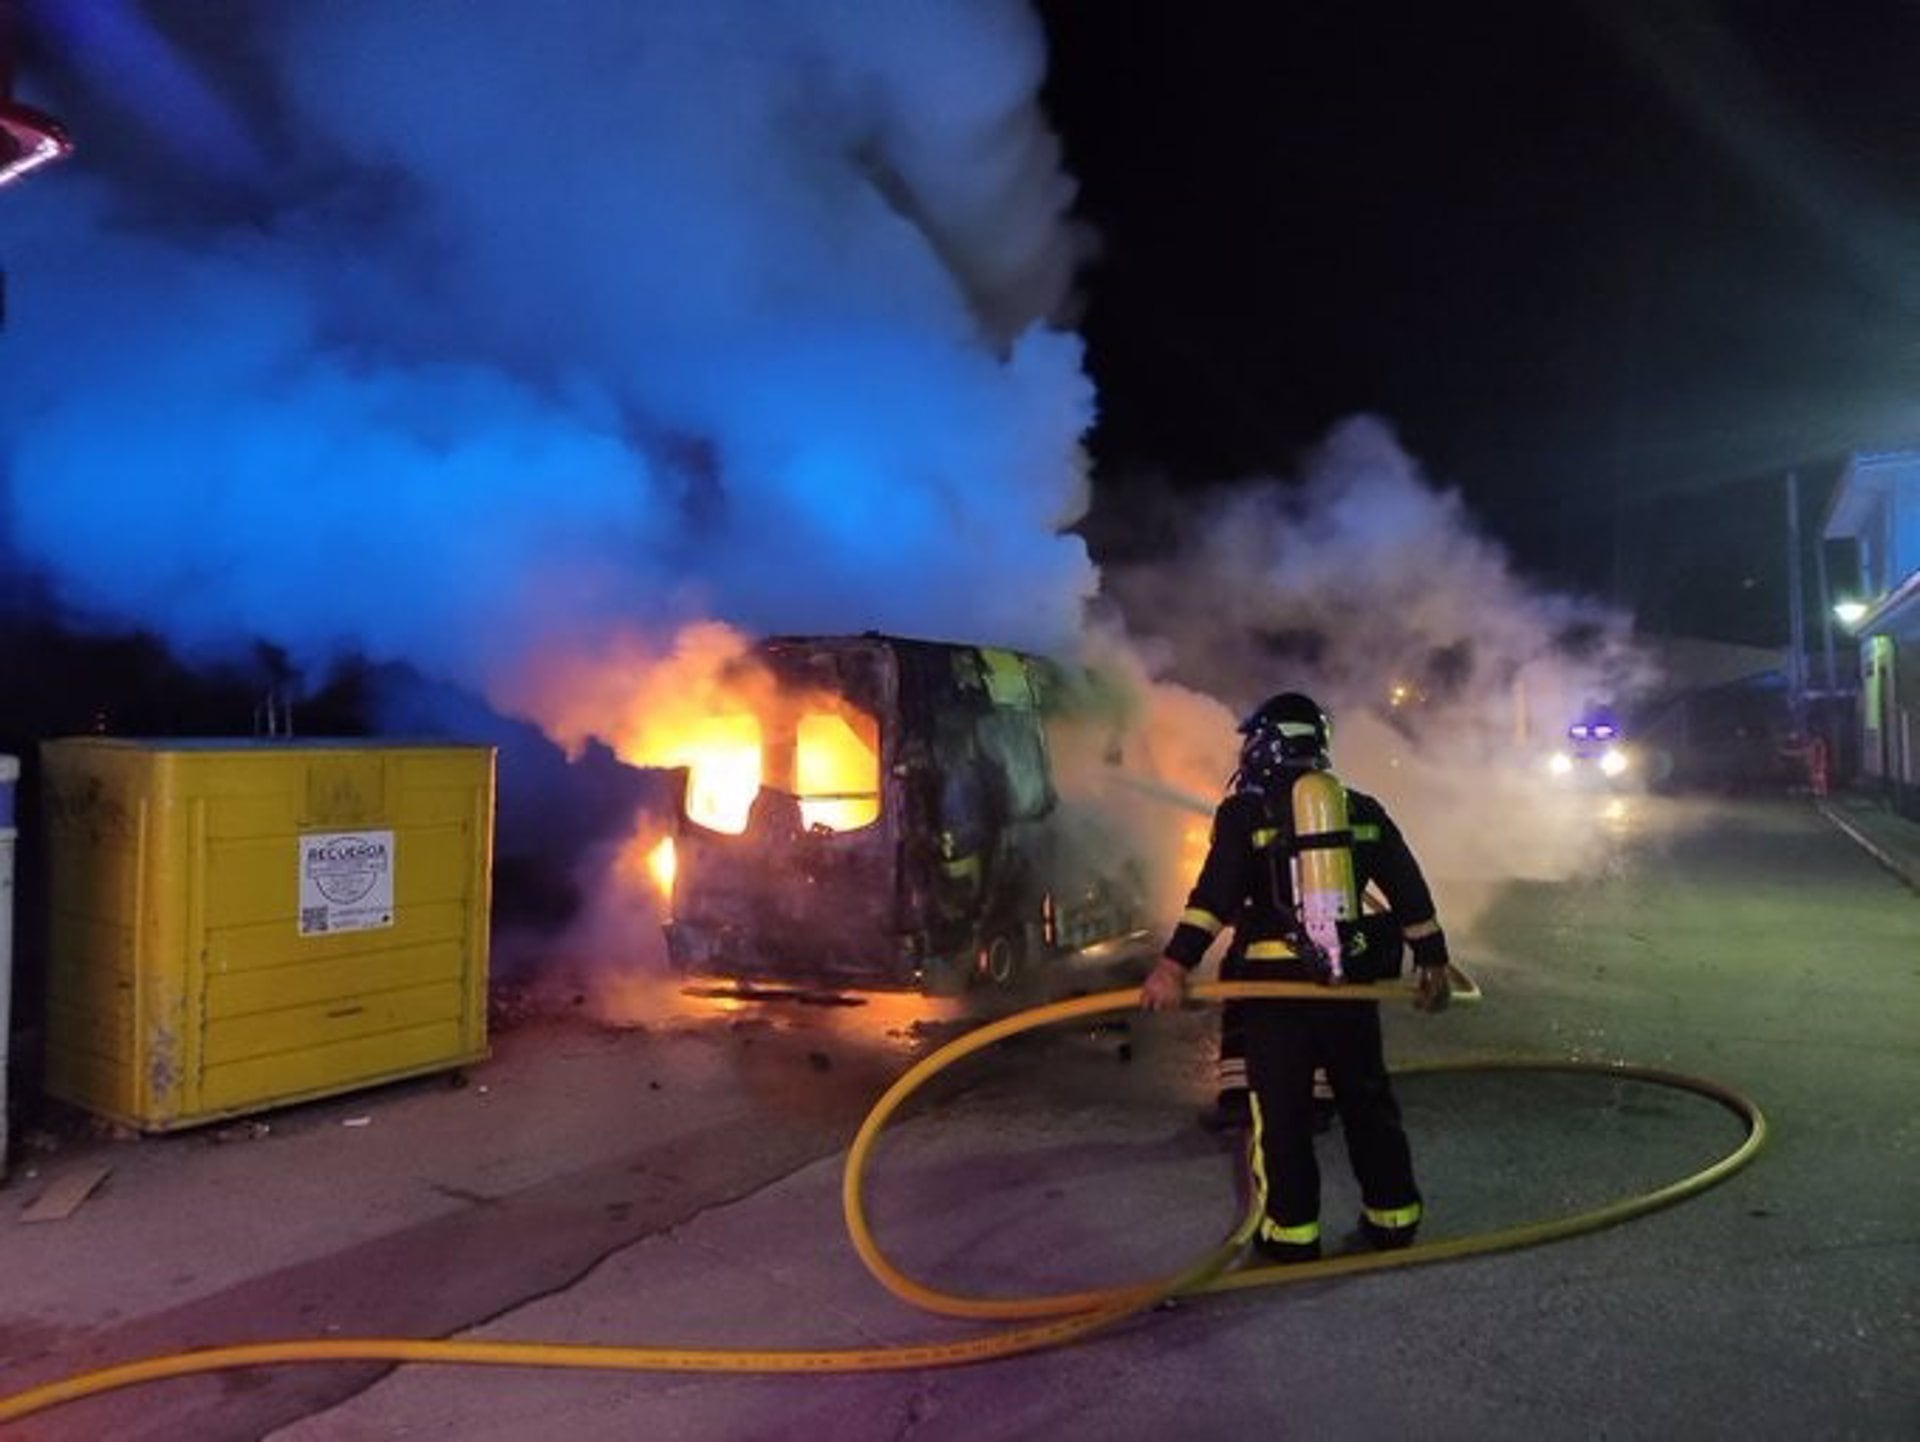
(1877, 506)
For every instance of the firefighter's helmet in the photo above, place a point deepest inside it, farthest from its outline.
(1286, 732)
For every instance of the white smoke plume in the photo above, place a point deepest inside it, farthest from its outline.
(1448, 677)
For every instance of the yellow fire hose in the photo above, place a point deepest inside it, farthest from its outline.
(1067, 1316)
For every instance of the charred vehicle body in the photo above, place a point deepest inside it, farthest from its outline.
(884, 815)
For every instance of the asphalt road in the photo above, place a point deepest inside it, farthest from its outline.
(576, 1200)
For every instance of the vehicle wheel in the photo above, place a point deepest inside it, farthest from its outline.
(1000, 962)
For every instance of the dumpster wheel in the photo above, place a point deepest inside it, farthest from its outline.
(1046, 1321)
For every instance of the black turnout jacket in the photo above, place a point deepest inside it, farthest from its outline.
(1246, 883)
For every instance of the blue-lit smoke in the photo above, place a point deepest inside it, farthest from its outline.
(548, 323)
(144, 75)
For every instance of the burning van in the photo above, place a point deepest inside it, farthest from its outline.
(880, 813)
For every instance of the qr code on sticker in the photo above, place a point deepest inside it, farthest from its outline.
(313, 918)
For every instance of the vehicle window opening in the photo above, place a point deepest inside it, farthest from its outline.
(821, 753)
(836, 770)
(723, 761)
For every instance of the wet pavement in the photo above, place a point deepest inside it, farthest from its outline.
(679, 1185)
(1889, 838)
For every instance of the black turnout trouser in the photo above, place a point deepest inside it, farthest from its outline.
(1232, 1064)
(1285, 1041)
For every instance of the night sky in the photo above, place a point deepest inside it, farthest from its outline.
(1611, 270)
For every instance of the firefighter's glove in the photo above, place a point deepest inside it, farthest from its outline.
(1432, 989)
(1165, 988)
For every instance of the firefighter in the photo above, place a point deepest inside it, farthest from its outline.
(1287, 841)
(1232, 1109)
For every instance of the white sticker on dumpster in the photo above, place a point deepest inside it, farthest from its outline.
(346, 881)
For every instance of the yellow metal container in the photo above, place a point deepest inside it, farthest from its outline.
(236, 925)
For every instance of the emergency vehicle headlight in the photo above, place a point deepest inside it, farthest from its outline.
(1559, 763)
(1613, 761)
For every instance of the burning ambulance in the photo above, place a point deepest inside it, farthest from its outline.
(881, 813)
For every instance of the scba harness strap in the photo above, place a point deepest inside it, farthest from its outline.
(1322, 841)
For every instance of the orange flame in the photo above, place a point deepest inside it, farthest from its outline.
(722, 757)
(662, 862)
(706, 706)
(1195, 838)
(837, 769)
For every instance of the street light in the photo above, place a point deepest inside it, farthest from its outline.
(1848, 613)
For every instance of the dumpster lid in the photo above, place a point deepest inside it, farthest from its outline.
(273, 743)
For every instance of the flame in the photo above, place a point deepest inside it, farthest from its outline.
(834, 765)
(837, 769)
(1195, 838)
(661, 863)
(708, 707)
(722, 757)
(829, 758)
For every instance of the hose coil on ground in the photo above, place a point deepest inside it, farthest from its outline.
(1047, 1321)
